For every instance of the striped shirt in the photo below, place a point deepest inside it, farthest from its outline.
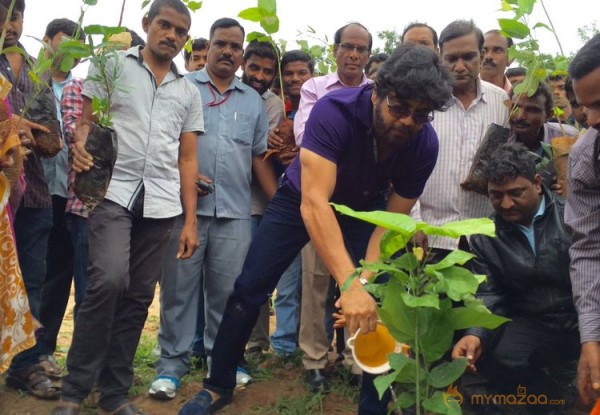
(71, 107)
(36, 194)
(582, 218)
(460, 132)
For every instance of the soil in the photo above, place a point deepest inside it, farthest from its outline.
(277, 394)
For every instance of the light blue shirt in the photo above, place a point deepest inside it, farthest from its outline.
(56, 168)
(529, 231)
(236, 129)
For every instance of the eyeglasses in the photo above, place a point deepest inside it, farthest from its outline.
(402, 111)
(347, 47)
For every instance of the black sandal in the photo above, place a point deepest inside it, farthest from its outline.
(32, 379)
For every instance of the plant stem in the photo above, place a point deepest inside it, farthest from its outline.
(122, 12)
(417, 360)
(6, 23)
(552, 26)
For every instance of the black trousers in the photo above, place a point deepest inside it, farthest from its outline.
(126, 252)
(525, 358)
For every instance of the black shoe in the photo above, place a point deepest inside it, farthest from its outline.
(316, 381)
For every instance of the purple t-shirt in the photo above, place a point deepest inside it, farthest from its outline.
(339, 129)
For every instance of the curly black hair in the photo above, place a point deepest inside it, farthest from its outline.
(415, 72)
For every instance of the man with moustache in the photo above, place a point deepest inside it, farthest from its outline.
(495, 59)
(129, 230)
(529, 125)
(384, 129)
(229, 153)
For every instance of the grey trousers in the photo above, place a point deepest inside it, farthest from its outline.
(125, 253)
(223, 247)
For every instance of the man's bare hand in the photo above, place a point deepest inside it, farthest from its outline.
(588, 372)
(556, 187)
(469, 347)
(420, 240)
(202, 193)
(360, 309)
(274, 141)
(188, 241)
(286, 157)
(82, 160)
(339, 320)
(26, 128)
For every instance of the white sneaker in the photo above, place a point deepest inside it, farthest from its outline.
(164, 388)
(242, 377)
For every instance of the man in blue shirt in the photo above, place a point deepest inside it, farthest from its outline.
(357, 141)
(228, 154)
(527, 269)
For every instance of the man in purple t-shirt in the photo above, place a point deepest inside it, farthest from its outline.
(357, 141)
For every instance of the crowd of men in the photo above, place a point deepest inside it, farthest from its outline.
(221, 193)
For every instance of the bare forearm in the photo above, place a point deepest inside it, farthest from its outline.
(326, 236)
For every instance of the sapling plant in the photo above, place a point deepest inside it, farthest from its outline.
(422, 305)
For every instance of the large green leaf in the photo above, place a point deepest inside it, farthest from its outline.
(513, 28)
(391, 242)
(475, 316)
(397, 317)
(454, 257)
(251, 13)
(435, 330)
(407, 262)
(405, 400)
(484, 226)
(267, 7)
(441, 403)
(526, 6)
(458, 282)
(398, 222)
(426, 300)
(383, 382)
(270, 24)
(406, 368)
(447, 372)
(90, 2)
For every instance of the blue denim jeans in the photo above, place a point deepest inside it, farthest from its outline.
(284, 339)
(277, 242)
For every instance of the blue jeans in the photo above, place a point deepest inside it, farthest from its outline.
(278, 240)
(287, 309)
(32, 229)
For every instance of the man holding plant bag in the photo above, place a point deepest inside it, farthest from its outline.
(157, 115)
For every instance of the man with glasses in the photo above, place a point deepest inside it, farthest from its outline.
(357, 141)
(477, 104)
(352, 50)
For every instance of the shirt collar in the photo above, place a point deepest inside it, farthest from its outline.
(335, 79)
(203, 77)
(136, 53)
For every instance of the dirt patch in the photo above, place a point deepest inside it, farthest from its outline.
(279, 388)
